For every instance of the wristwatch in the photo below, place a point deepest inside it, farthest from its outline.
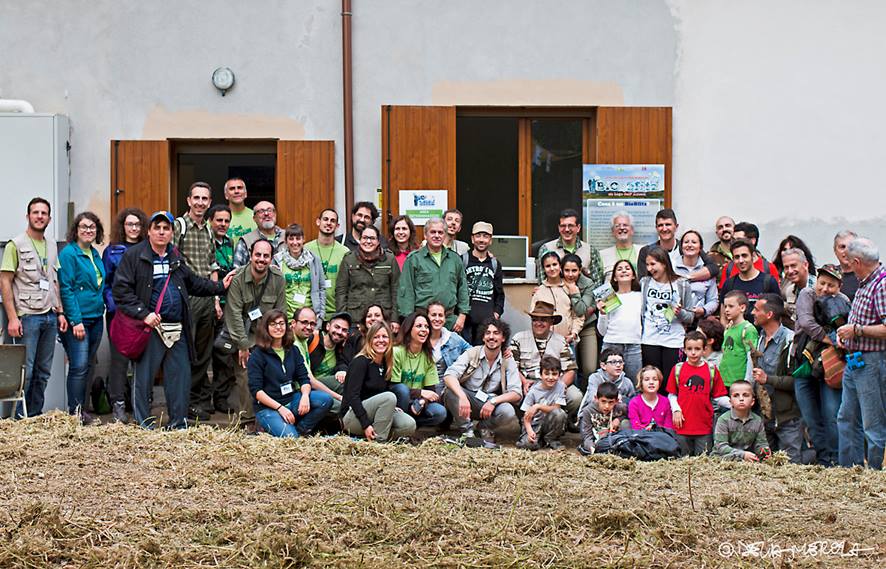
(491, 401)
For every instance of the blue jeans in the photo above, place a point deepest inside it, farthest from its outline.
(433, 413)
(176, 382)
(819, 405)
(272, 422)
(862, 415)
(39, 332)
(80, 356)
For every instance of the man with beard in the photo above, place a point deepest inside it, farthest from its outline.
(266, 219)
(748, 233)
(719, 252)
(483, 274)
(29, 286)
(326, 356)
(362, 214)
(624, 248)
(330, 252)
(256, 288)
(484, 385)
(194, 240)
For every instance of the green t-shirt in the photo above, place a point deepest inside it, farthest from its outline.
(415, 371)
(327, 365)
(437, 257)
(733, 366)
(281, 353)
(629, 254)
(302, 346)
(330, 257)
(298, 288)
(10, 255)
(241, 224)
(98, 273)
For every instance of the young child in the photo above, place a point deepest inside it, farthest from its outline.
(544, 421)
(650, 408)
(740, 434)
(691, 387)
(713, 332)
(601, 417)
(612, 364)
(739, 339)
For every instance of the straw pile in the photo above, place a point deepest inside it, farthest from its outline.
(117, 496)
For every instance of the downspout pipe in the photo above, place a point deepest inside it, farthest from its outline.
(347, 108)
(15, 106)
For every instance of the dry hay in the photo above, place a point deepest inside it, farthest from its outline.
(119, 496)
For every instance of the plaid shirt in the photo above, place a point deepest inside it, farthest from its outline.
(196, 247)
(734, 436)
(591, 261)
(869, 309)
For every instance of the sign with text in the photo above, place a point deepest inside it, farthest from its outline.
(422, 205)
(609, 188)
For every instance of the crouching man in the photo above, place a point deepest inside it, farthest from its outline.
(484, 385)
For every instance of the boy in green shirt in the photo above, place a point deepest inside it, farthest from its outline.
(330, 252)
(739, 434)
(739, 339)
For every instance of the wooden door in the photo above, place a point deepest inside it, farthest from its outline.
(418, 153)
(140, 175)
(634, 135)
(305, 182)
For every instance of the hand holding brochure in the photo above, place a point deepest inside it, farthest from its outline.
(607, 294)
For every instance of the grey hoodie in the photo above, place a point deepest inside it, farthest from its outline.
(626, 388)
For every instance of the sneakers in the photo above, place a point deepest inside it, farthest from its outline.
(88, 419)
(119, 412)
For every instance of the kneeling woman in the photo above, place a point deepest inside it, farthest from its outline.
(282, 408)
(368, 408)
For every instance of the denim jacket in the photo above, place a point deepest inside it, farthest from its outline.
(447, 351)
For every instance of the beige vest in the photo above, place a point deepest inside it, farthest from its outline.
(29, 297)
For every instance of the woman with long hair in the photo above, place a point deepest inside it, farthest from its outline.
(414, 375)
(130, 227)
(446, 345)
(284, 403)
(81, 276)
(553, 289)
(402, 239)
(368, 407)
(580, 289)
(666, 302)
(621, 328)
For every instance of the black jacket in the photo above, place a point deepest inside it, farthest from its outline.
(267, 373)
(134, 283)
(342, 359)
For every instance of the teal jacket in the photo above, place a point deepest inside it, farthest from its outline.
(79, 288)
(422, 281)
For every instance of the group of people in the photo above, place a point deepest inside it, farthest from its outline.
(729, 352)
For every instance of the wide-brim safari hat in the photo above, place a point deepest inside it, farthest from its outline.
(545, 310)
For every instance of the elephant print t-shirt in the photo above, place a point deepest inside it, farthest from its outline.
(695, 389)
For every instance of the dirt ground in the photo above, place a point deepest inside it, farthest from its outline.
(118, 496)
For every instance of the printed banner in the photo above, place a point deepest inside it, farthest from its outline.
(422, 205)
(608, 188)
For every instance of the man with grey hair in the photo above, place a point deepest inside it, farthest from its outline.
(796, 278)
(623, 232)
(266, 220)
(850, 281)
(862, 415)
(435, 272)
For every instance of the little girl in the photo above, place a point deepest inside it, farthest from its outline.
(649, 408)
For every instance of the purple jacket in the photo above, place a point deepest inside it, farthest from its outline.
(641, 415)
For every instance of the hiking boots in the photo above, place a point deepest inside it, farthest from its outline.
(119, 412)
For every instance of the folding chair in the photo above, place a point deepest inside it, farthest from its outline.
(12, 375)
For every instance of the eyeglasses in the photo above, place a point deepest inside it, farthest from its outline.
(308, 323)
(618, 362)
(133, 224)
(277, 324)
(368, 238)
(86, 228)
(265, 211)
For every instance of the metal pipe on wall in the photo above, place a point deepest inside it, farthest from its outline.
(347, 107)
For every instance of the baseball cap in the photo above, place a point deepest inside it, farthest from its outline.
(343, 315)
(831, 270)
(482, 227)
(163, 215)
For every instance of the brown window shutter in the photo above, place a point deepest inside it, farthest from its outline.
(634, 135)
(418, 153)
(305, 182)
(140, 175)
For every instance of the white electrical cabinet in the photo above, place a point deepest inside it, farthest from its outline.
(34, 161)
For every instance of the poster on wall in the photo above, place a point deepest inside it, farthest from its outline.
(422, 205)
(608, 188)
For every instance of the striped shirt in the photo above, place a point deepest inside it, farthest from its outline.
(869, 309)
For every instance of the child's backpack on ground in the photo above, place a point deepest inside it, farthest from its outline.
(642, 445)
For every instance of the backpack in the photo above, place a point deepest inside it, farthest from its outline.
(679, 367)
(182, 227)
(642, 445)
(465, 257)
